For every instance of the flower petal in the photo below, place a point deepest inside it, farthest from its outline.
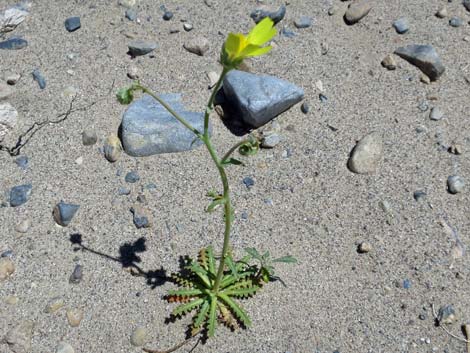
(262, 32)
(234, 44)
(255, 50)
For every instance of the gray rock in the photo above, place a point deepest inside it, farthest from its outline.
(249, 182)
(442, 12)
(20, 194)
(286, 32)
(198, 45)
(141, 47)
(271, 140)
(332, 10)
(64, 212)
(436, 114)
(72, 24)
(131, 14)
(5, 91)
(147, 128)
(8, 119)
(127, 3)
(89, 137)
(364, 248)
(133, 72)
(187, 27)
(22, 162)
(142, 218)
(124, 191)
(64, 347)
(11, 18)
(112, 148)
(132, 177)
(14, 44)
(423, 106)
(12, 78)
(277, 16)
(19, 337)
(456, 22)
(257, 98)
(7, 268)
(39, 78)
(168, 15)
(466, 4)
(367, 154)
(389, 62)
(357, 10)
(424, 57)
(305, 108)
(419, 195)
(77, 274)
(54, 305)
(446, 315)
(455, 184)
(401, 25)
(303, 22)
(74, 317)
(139, 337)
(23, 226)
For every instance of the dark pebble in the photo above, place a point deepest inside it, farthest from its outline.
(277, 16)
(64, 212)
(8, 253)
(132, 177)
(305, 108)
(77, 274)
(151, 187)
(39, 78)
(22, 162)
(244, 215)
(455, 22)
(168, 15)
(20, 194)
(14, 44)
(249, 182)
(72, 24)
(89, 137)
(323, 98)
(419, 195)
(407, 284)
(131, 14)
(422, 316)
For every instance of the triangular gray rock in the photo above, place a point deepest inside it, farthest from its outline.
(257, 99)
(147, 128)
(424, 57)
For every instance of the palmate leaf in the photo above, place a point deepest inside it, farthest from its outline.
(236, 309)
(185, 308)
(212, 321)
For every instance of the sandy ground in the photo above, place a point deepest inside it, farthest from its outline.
(336, 299)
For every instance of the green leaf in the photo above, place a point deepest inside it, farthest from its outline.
(185, 308)
(185, 292)
(201, 273)
(231, 265)
(213, 194)
(125, 95)
(214, 204)
(201, 315)
(211, 260)
(236, 309)
(233, 161)
(212, 322)
(254, 253)
(286, 259)
(266, 256)
(242, 292)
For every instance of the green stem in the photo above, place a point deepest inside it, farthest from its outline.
(234, 147)
(210, 104)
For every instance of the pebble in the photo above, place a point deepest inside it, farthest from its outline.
(424, 79)
(446, 315)
(423, 106)
(7, 268)
(54, 305)
(124, 191)
(39, 78)
(8, 119)
(168, 15)
(213, 78)
(419, 195)
(5, 91)
(23, 226)
(332, 10)
(64, 347)
(198, 45)
(323, 98)
(455, 22)
(288, 33)
(364, 248)
(11, 17)
(19, 337)
(133, 72)
(367, 154)
(407, 284)
(271, 140)
(455, 184)
(303, 22)
(249, 182)
(139, 337)
(260, 13)
(77, 274)
(141, 47)
(455, 148)
(14, 44)
(436, 114)
(187, 27)
(13, 78)
(112, 148)
(132, 177)
(7, 253)
(142, 218)
(305, 108)
(131, 14)
(89, 137)
(424, 57)
(11, 300)
(74, 317)
(389, 62)
(442, 12)
(20, 194)
(64, 212)
(401, 25)
(72, 24)
(357, 10)
(422, 316)
(127, 3)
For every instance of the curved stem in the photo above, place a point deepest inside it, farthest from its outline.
(234, 147)
(210, 105)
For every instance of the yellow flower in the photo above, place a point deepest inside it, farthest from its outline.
(238, 46)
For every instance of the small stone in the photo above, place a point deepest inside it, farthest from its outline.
(288, 33)
(197, 45)
(455, 22)
(305, 108)
(367, 154)
(13, 78)
(74, 317)
(357, 10)
(132, 177)
(303, 22)
(7, 268)
(423, 106)
(39, 78)
(455, 148)
(89, 137)
(323, 98)
(446, 315)
(442, 12)
(133, 72)
(112, 148)
(401, 25)
(422, 316)
(419, 195)
(213, 78)
(436, 114)
(14, 44)
(140, 47)
(187, 27)
(5, 91)
(131, 14)
(364, 247)
(11, 300)
(124, 191)
(455, 184)
(8, 119)
(142, 218)
(72, 23)
(424, 79)
(389, 62)
(20, 194)
(19, 337)
(8, 253)
(54, 305)
(424, 57)
(77, 274)
(407, 284)
(271, 140)
(23, 226)
(64, 347)
(127, 3)
(64, 212)
(249, 182)
(142, 199)
(139, 337)
(260, 13)
(13, 16)
(319, 85)
(168, 15)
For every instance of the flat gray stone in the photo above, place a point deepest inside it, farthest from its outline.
(147, 128)
(20, 194)
(259, 98)
(141, 47)
(11, 18)
(356, 11)
(64, 212)
(423, 57)
(455, 184)
(260, 13)
(367, 154)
